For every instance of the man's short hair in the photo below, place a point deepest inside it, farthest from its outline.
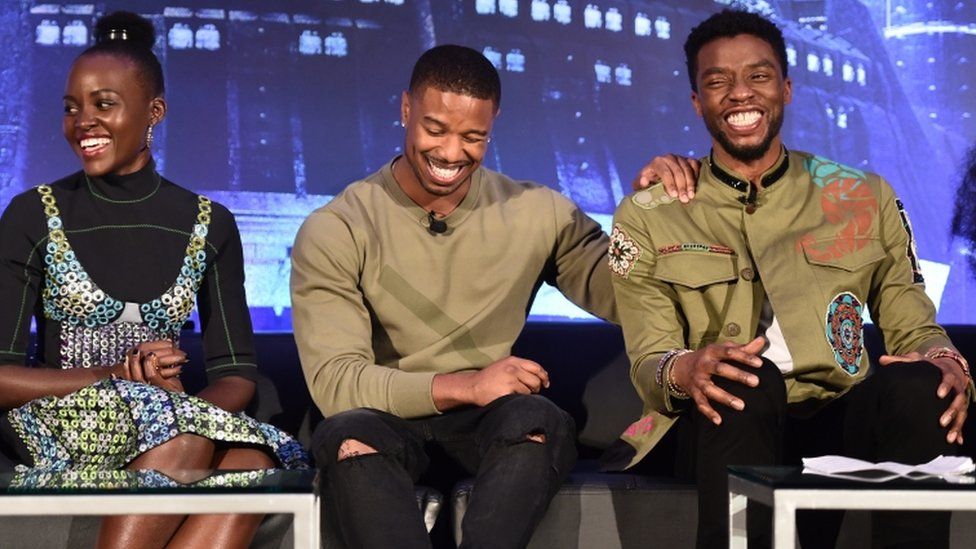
(459, 70)
(727, 24)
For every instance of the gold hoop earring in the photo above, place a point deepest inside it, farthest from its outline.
(149, 136)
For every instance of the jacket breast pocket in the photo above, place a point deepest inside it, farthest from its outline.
(696, 269)
(846, 254)
(843, 264)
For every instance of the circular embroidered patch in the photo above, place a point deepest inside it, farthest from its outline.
(844, 331)
(623, 252)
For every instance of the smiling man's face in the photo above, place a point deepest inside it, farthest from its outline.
(446, 138)
(741, 96)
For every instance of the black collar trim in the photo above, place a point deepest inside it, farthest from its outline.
(743, 186)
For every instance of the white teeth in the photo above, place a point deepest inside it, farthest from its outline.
(445, 174)
(743, 118)
(92, 142)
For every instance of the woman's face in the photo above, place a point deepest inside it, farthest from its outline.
(107, 111)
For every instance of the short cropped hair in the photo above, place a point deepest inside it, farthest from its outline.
(727, 24)
(459, 70)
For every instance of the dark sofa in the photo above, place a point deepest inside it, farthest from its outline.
(589, 372)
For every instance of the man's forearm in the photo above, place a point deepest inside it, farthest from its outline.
(452, 390)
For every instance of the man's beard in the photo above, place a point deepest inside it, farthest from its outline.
(747, 153)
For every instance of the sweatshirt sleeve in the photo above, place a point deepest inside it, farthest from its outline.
(333, 327)
(579, 260)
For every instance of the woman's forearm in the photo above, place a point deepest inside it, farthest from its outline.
(21, 384)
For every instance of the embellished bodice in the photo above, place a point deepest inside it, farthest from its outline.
(96, 328)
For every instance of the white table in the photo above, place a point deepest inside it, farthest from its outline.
(293, 492)
(786, 489)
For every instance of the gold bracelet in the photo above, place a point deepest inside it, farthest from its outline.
(945, 352)
(671, 386)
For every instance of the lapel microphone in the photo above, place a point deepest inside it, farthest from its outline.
(436, 226)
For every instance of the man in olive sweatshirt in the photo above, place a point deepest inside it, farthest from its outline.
(408, 291)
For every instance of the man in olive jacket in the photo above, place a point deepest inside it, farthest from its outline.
(742, 309)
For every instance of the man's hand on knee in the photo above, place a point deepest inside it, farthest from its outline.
(352, 448)
(955, 382)
(508, 376)
(693, 374)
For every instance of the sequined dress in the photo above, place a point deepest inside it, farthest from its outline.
(103, 265)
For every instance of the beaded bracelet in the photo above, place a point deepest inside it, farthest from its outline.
(945, 352)
(661, 364)
(672, 388)
(664, 375)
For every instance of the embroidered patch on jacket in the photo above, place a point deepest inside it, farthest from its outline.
(695, 247)
(844, 331)
(911, 251)
(642, 426)
(623, 252)
(645, 199)
(847, 202)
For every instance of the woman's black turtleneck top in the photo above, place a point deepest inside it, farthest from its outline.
(130, 234)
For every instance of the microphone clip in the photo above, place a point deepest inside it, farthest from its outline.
(434, 225)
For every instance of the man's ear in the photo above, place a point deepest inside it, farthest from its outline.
(787, 91)
(696, 103)
(404, 108)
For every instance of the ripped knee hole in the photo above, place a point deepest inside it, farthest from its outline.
(352, 448)
(536, 437)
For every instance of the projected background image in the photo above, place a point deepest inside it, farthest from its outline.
(275, 107)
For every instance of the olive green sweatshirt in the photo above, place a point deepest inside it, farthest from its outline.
(381, 303)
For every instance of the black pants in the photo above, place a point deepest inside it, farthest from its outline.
(893, 415)
(373, 497)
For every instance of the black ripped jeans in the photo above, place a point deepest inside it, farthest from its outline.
(372, 496)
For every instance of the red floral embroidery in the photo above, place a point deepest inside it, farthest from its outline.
(846, 201)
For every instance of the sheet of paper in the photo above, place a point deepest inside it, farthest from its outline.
(951, 468)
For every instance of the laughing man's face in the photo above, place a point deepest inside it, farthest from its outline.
(741, 96)
(446, 138)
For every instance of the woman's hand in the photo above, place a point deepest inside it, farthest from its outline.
(157, 363)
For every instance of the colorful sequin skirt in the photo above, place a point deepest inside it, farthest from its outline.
(111, 422)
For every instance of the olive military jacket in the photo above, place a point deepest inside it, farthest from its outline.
(823, 241)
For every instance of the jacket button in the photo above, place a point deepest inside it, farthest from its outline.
(747, 274)
(732, 329)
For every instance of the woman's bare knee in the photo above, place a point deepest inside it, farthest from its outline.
(243, 458)
(185, 451)
(352, 447)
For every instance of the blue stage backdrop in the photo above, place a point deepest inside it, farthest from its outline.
(276, 106)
